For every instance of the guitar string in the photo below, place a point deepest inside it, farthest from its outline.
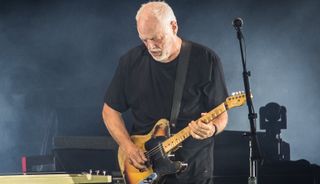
(159, 146)
(155, 150)
(152, 151)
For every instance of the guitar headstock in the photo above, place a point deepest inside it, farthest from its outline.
(236, 99)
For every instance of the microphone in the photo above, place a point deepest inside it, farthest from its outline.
(237, 23)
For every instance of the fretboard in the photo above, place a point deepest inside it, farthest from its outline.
(172, 142)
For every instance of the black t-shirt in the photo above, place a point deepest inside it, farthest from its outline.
(146, 87)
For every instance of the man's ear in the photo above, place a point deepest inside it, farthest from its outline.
(174, 27)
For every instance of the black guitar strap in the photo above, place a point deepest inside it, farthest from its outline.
(180, 81)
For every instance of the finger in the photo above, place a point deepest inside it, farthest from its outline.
(137, 157)
(193, 126)
(197, 128)
(204, 113)
(130, 162)
(206, 121)
(202, 128)
(196, 132)
(143, 156)
(193, 122)
(137, 165)
(205, 127)
(196, 136)
(202, 133)
(209, 129)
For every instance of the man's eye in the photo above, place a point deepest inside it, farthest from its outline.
(158, 39)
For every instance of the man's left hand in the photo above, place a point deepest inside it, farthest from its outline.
(201, 130)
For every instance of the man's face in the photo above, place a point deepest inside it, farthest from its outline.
(158, 38)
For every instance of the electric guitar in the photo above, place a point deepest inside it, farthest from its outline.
(157, 146)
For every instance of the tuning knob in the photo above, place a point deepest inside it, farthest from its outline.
(182, 166)
(171, 155)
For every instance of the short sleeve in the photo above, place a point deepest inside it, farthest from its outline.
(216, 90)
(115, 96)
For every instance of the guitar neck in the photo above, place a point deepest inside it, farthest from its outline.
(172, 142)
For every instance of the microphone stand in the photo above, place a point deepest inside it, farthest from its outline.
(254, 151)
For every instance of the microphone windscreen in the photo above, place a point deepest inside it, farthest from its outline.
(237, 22)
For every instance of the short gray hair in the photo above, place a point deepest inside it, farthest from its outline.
(161, 10)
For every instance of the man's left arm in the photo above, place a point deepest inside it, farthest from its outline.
(216, 92)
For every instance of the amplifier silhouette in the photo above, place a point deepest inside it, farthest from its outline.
(74, 154)
(231, 162)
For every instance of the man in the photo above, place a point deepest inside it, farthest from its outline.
(144, 83)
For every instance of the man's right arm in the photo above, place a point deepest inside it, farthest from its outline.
(117, 129)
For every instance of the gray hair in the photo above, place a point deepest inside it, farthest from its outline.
(161, 10)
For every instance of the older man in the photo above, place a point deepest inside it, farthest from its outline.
(144, 83)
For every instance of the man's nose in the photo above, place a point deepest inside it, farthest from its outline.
(151, 44)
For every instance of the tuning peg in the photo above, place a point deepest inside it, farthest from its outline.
(183, 166)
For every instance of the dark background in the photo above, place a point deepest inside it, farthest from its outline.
(58, 57)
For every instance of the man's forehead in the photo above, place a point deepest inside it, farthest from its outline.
(149, 26)
(148, 34)
(147, 20)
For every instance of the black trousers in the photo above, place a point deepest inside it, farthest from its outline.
(173, 180)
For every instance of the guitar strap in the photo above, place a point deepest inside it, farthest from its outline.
(180, 81)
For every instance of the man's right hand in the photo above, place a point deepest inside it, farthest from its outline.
(135, 156)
